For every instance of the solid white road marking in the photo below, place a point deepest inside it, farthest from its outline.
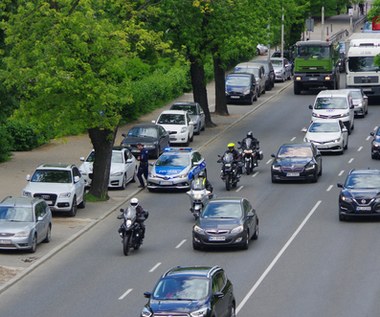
(155, 267)
(180, 244)
(125, 294)
(277, 257)
(367, 138)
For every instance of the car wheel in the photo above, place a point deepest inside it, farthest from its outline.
(256, 234)
(297, 88)
(315, 178)
(245, 244)
(83, 203)
(341, 217)
(48, 235)
(346, 145)
(192, 138)
(274, 180)
(196, 246)
(373, 156)
(203, 127)
(33, 246)
(124, 182)
(233, 311)
(74, 208)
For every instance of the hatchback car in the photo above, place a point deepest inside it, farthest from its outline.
(123, 168)
(175, 168)
(193, 291)
(226, 222)
(153, 137)
(360, 101)
(297, 161)
(241, 88)
(360, 194)
(375, 144)
(24, 222)
(178, 124)
(282, 68)
(328, 135)
(270, 77)
(257, 70)
(196, 113)
(61, 185)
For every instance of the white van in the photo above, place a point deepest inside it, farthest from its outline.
(334, 104)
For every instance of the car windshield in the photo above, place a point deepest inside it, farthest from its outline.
(238, 81)
(181, 288)
(171, 118)
(277, 62)
(51, 176)
(324, 127)
(17, 214)
(294, 151)
(247, 69)
(222, 209)
(143, 132)
(173, 159)
(356, 94)
(363, 181)
(191, 109)
(330, 103)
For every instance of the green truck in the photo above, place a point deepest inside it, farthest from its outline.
(316, 65)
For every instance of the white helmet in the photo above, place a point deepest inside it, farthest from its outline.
(134, 202)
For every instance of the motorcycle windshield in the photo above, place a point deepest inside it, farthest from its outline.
(247, 144)
(228, 158)
(130, 213)
(197, 184)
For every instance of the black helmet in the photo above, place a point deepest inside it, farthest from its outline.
(249, 134)
(134, 202)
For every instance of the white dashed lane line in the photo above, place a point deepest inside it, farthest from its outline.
(341, 173)
(329, 188)
(180, 244)
(125, 294)
(155, 267)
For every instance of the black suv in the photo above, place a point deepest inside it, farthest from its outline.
(360, 194)
(241, 88)
(191, 291)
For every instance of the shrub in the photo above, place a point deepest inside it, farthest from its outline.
(5, 144)
(23, 137)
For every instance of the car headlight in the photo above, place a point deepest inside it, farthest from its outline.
(65, 195)
(22, 234)
(198, 229)
(375, 144)
(346, 199)
(346, 114)
(200, 312)
(117, 173)
(146, 312)
(310, 166)
(25, 193)
(317, 115)
(183, 129)
(246, 92)
(237, 229)
(276, 167)
(337, 140)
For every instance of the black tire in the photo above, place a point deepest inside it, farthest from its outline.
(341, 217)
(233, 311)
(346, 146)
(203, 128)
(126, 241)
(124, 182)
(274, 180)
(256, 234)
(83, 202)
(192, 138)
(320, 172)
(297, 88)
(228, 182)
(133, 180)
(48, 235)
(74, 208)
(245, 244)
(33, 246)
(315, 178)
(196, 246)
(248, 169)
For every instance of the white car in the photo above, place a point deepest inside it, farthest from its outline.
(178, 124)
(328, 135)
(282, 68)
(123, 168)
(61, 185)
(261, 49)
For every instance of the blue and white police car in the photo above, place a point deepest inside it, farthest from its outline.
(175, 168)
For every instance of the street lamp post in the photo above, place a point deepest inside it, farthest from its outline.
(323, 23)
(282, 32)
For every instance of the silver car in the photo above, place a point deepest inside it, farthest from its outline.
(360, 101)
(196, 113)
(24, 222)
(282, 68)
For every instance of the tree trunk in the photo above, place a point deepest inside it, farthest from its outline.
(198, 82)
(102, 141)
(220, 87)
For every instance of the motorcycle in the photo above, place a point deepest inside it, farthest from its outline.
(229, 172)
(199, 197)
(131, 230)
(250, 155)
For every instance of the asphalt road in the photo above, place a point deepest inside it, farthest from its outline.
(305, 262)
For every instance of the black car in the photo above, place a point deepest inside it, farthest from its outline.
(270, 76)
(153, 136)
(360, 194)
(297, 161)
(241, 88)
(375, 144)
(226, 222)
(191, 291)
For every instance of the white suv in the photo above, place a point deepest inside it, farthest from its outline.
(334, 104)
(61, 185)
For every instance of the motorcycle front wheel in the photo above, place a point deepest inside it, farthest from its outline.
(228, 182)
(126, 239)
(248, 168)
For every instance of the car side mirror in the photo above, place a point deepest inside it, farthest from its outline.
(191, 122)
(147, 294)
(81, 158)
(153, 121)
(124, 135)
(250, 214)
(273, 155)
(28, 177)
(218, 294)
(310, 107)
(339, 185)
(372, 134)
(76, 179)
(40, 218)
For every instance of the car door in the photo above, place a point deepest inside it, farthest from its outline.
(190, 125)
(129, 164)
(41, 223)
(344, 132)
(219, 287)
(249, 216)
(163, 138)
(79, 185)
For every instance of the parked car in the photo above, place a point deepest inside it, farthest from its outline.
(257, 70)
(123, 168)
(282, 68)
(329, 135)
(288, 54)
(241, 88)
(359, 195)
(175, 168)
(196, 113)
(153, 136)
(261, 49)
(178, 124)
(24, 222)
(225, 222)
(270, 76)
(198, 291)
(296, 161)
(61, 185)
(375, 144)
(360, 101)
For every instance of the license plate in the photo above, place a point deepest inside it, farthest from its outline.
(235, 97)
(367, 89)
(292, 174)
(221, 238)
(49, 202)
(312, 78)
(363, 208)
(165, 183)
(5, 242)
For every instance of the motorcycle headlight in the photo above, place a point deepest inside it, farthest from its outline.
(227, 165)
(128, 222)
(199, 313)
(237, 229)
(146, 312)
(198, 229)
(197, 196)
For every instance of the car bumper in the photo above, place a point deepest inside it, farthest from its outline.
(359, 111)
(175, 183)
(219, 240)
(179, 137)
(238, 98)
(21, 243)
(56, 203)
(115, 181)
(293, 175)
(349, 210)
(329, 146)
(375, 151)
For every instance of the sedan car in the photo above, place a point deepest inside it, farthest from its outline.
(123, 168)
(226, 222)
(153, 137)
(175, 169)
(329, 135)
(375, 144)
(282, 68)
(178, 124)
(192, 291)
(196, 113)
(24, 222)
(360, 194)
(297, 161)
(241, 88)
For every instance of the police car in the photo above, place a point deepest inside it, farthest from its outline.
(175, 168)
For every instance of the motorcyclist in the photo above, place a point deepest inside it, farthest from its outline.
(205, 181)
(254, 143)
(141, 215)
(236, 155)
